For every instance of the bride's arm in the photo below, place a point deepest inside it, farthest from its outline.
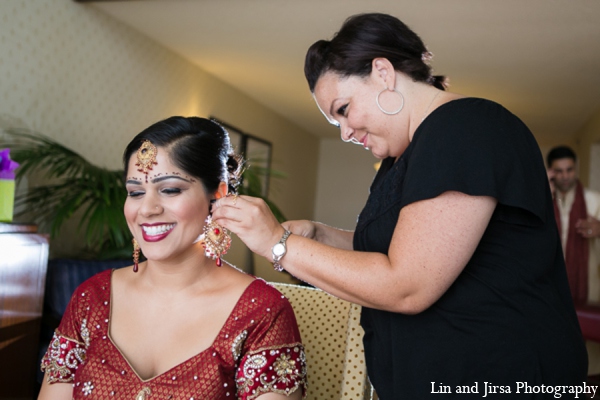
(55, 391)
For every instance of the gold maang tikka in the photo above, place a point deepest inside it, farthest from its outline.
(146, 156)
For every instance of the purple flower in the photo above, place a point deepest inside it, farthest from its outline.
(7, 166)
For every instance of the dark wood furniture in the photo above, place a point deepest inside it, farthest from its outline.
(23, 263)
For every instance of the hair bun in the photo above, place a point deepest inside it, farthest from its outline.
(439, 81)
(235, 168)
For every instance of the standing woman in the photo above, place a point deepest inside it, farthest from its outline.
(182, 324)
(455, 258)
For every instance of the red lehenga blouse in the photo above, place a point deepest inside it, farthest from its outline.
(257, 351)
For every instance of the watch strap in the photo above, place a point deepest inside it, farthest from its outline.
(277, 257)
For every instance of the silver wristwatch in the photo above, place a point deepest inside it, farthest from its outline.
(279, 251)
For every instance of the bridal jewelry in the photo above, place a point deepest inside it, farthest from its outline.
(146, 156)
(216, 240)
(136, 255)
(429, 106)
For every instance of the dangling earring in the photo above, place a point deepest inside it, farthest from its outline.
(390, 112)
(216, 240)
(136, 255)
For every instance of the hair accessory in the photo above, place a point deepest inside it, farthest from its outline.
(136, 255)
(426, 57)
(216, 240)
(390, 112)
(146, 156)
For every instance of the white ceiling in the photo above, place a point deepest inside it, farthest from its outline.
(539, 58)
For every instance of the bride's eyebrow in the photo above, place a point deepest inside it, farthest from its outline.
(165, 177)
(133, 181)
(160, 178)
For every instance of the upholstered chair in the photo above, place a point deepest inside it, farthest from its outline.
(332, 337)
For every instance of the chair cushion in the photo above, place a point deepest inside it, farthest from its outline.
(332, 338)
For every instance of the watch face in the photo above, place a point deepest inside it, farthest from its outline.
(279, 249)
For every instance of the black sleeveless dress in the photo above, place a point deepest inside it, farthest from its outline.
(508, 317)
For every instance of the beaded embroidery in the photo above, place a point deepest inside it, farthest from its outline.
(278, 370)
(143, 394)
(85, 333)
(236, 346)
(63, 358)
(87, 388)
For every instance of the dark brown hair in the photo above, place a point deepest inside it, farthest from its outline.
(198, 146)
(558, 153)
(361, 39)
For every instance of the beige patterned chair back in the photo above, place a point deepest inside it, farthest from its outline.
(332, 339)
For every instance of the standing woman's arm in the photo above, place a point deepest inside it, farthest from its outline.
(334, 237)
(432, 243)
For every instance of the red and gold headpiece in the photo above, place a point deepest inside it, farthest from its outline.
(146, 156)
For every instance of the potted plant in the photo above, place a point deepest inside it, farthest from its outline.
(71, 184)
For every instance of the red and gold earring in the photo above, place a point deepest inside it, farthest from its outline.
(136, 255)
(216, 240)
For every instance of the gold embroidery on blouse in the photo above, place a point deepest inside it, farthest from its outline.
(85, 333)
(285, 371)
(284, 367)
(143, 394)
(60, 362)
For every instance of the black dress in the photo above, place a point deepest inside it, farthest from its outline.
(508, 317)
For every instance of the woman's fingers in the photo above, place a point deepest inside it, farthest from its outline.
(250, 219)
(301, 228)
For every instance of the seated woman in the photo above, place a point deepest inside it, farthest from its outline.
(181, 325)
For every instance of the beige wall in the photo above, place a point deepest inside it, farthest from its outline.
(88, 81)
(345, 174)
(583, 143)
(587, 136)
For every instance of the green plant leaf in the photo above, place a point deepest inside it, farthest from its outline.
(252, 185)
(77, 185)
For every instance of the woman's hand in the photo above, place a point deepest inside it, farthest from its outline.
(334, 237)
(305, 228)
(251, 219)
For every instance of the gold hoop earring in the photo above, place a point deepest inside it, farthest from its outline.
(216, 240)
(390, 112)
(136, 255)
